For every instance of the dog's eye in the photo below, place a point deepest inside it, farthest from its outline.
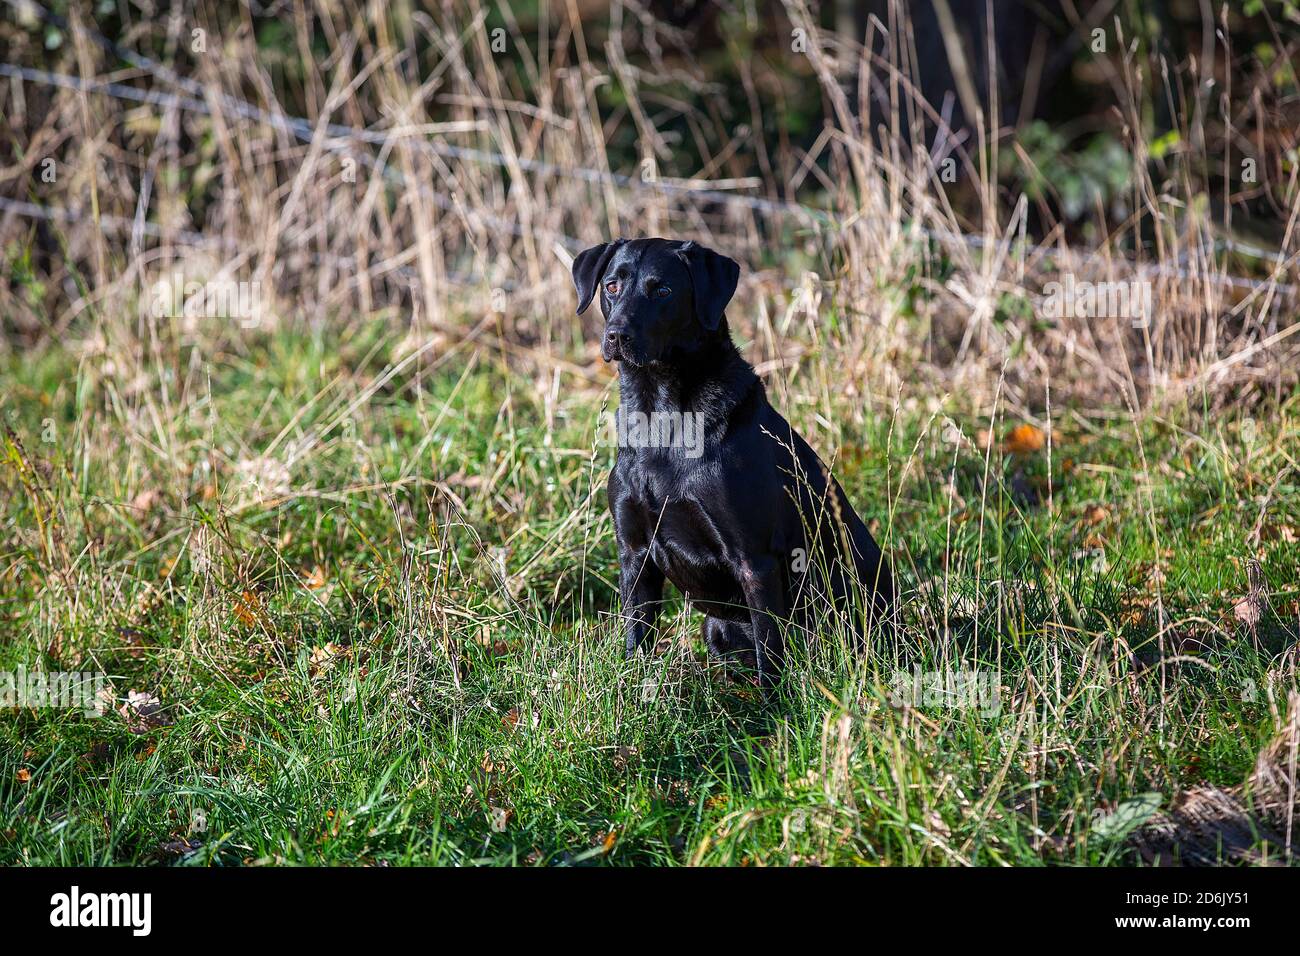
(663, 292)
(612, 287)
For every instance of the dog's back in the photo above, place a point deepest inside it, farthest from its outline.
(843, 563)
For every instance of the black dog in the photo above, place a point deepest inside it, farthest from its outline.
(743, 518)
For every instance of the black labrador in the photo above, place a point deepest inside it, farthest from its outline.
(712, 489)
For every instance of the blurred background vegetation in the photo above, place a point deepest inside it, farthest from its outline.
(727, 96)
(936, 159)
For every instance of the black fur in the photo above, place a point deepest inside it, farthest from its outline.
(747, 524)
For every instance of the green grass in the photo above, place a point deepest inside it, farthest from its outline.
(449, 686)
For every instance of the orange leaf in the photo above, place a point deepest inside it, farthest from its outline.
(1024, 440)
(315, 579)
(1095, 515)
(248, 608)
(322, 659)
(24, 775)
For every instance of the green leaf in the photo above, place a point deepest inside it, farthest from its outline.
(1161, 147)
(1127, 817)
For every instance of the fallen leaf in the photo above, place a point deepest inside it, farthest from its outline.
(610, 839)
(1248, 610)
(135, 641)
(1281, 532)
(181, 847)
(499, 818)
(1095, 515)
(324, 658)
(1024, 440)
(142, 712)
(248, 609)
(1134, 607)
(24, 775)
(315, 578)
(144, 503)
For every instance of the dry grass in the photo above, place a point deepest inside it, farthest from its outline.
(408, 217)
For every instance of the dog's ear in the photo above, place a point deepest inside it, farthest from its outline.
(588, 267)
(714, 279)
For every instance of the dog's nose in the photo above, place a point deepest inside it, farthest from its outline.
(616, 337)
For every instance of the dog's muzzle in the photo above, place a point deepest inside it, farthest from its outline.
(613, 346)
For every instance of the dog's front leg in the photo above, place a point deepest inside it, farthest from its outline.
(764, 591)
(641, 589)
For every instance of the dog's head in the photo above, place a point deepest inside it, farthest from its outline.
(661, 298)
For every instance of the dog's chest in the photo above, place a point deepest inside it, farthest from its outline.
(687, 545)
